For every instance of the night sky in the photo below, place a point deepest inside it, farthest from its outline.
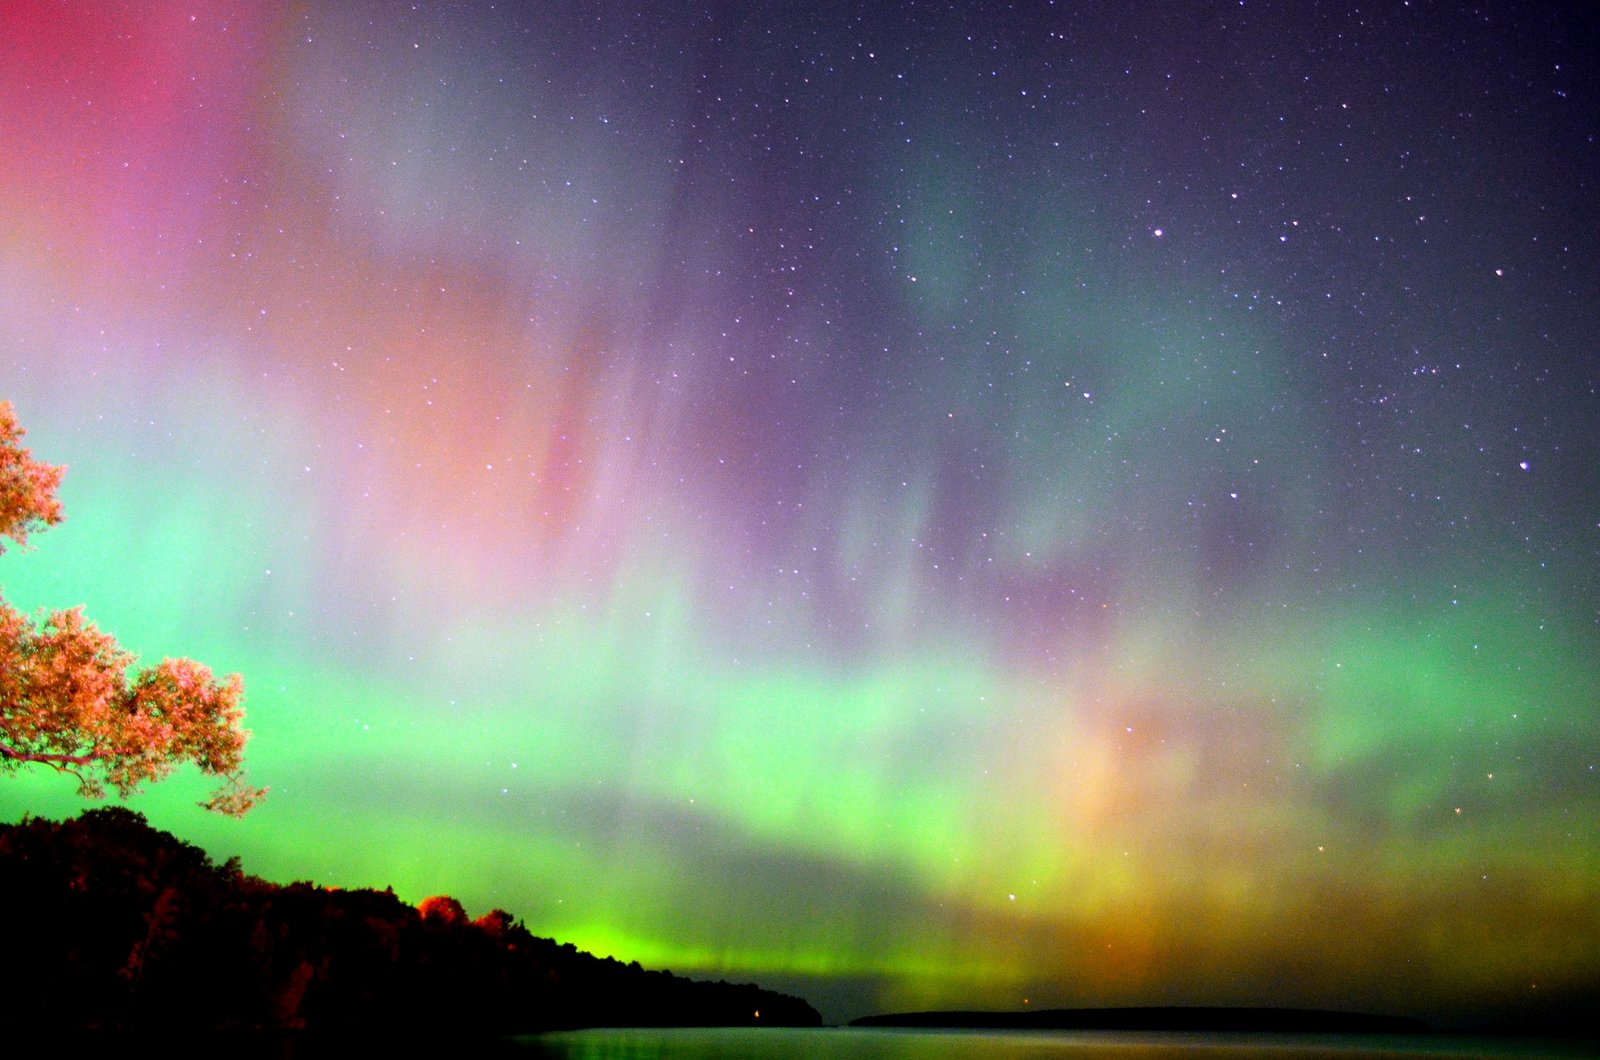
(921, 505)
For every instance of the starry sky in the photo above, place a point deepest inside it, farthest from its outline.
(916, 504)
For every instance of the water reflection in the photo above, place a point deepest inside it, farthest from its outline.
(854, 1044)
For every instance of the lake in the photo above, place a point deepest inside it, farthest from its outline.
(901, 1044)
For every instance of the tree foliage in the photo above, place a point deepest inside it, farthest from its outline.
(66, 697)
(27, 488)
(442, 909)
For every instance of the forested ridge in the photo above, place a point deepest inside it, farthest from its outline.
(120, 925)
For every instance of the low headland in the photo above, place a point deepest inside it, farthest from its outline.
(126, 928)
(1264, 1020)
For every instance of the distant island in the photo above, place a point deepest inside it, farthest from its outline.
(1272, 1020)
(118, 925)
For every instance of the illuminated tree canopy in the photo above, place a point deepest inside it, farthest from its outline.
(67, 699)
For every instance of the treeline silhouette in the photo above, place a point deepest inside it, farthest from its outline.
(114, 924)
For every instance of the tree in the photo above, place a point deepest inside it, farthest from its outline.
(443, 909)
(66, 697)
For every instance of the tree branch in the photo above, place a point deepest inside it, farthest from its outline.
(53, 759)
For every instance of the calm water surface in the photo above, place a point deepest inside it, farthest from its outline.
(888, 1044)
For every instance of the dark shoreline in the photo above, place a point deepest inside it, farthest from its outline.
(1268, 1020)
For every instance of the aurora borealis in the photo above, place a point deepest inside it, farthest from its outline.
(922, 505)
